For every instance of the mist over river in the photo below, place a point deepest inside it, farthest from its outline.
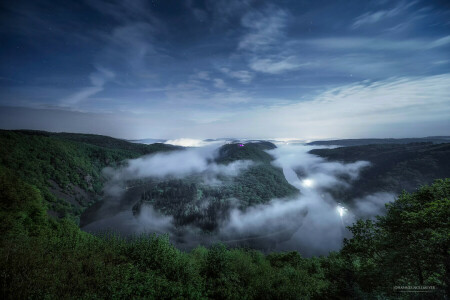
(312, 221)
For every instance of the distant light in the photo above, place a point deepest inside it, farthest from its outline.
(241, 145)
(341, 211)
(308, 182)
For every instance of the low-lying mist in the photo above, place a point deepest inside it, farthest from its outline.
(313, 222)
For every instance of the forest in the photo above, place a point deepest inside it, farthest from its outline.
(394, 167)
(43, 255)
(72, 162)
(184, 199)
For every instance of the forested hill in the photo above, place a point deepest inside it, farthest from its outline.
(394, 167)
(103, 141)
(66, 167)
(249, 151)
(192, 201)
(359, 142)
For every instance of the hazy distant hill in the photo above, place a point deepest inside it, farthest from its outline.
(358, 142)
(147, 141)
(395, 167)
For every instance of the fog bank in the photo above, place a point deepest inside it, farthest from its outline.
(312, 223)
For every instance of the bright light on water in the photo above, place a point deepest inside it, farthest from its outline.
(341, 211)
(308, 182)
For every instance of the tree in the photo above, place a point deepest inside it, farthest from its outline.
(407, 246)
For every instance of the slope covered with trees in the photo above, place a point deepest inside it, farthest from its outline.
(66, 167)
(42, 257)
(50, 258)
(191, 201)
(394, 168)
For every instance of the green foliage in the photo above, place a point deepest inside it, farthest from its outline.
(21, 206)
(42, 257)
(259, 184)
(190, 201)
(394, 168)
(409, 246)
(72, 161)
(46, 258)
(250, 151)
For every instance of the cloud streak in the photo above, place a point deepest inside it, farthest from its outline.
(98, 80)
(374, 17)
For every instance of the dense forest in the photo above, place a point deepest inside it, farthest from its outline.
(42, 257)
(66, 167)
(46, 255)
(190, 201)
(394, 168)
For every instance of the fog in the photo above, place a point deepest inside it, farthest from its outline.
(313, 222)
(173, 164)
(321, 229)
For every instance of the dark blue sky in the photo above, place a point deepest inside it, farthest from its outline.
(305, 69)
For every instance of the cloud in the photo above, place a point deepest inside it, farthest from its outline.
(219, 83)
(362, 43)
(376, 106)
(313, 216)
(377, 16)
(265, 28)
(202, 93)
(395, 107)
(373, 204)
(265, 59)
(440, 42)
(272, 66)
(309, 223)
(222, 12)
(265, 41)
(124, 49)
(98, 79)
(125, 223)
(376, 44)
(174, 164)
(241, 75)
(203, 75)
(186, 142)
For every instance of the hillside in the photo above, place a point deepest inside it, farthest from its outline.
(395, 167)
(192, 201)
(44, 258)
(360, 142)
(49, 258)
(253, 151)
(66, 167)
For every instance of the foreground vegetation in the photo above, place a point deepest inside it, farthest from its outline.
(42, 257)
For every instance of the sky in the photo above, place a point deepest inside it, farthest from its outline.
(226, 68)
